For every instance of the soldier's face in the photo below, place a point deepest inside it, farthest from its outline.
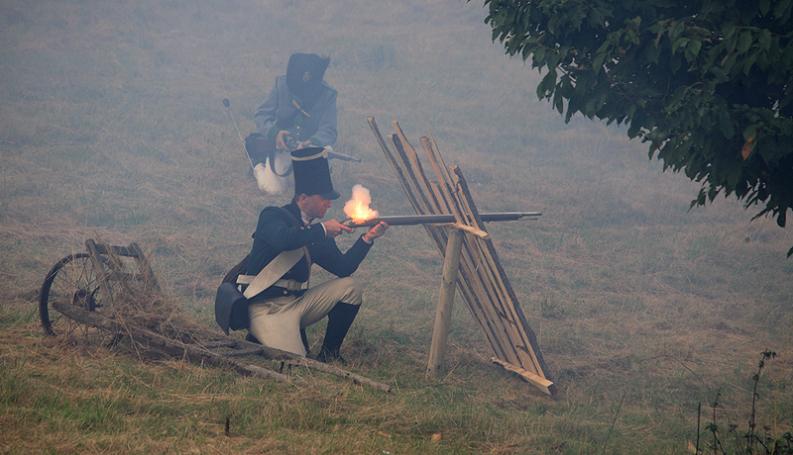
(315, 206)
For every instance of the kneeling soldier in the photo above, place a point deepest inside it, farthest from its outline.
(286, 243)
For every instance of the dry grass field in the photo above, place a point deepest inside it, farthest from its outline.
(111, 127)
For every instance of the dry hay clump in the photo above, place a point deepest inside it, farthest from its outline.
(134, 300)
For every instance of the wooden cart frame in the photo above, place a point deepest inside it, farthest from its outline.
(81, 285)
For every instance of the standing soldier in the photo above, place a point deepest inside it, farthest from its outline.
(299, 112)
(280, 304)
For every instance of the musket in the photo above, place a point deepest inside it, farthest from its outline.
(292, 144)
(332, 154)
(409, 220)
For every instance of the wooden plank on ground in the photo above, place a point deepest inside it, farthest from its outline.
(540, 382)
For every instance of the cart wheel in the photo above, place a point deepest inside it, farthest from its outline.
(71, 280)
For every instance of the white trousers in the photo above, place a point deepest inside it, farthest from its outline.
(276, 322)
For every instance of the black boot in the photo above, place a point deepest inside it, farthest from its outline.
(304, 338)
(251, 339)
(339, 321)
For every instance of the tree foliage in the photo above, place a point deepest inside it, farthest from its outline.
(707, 84)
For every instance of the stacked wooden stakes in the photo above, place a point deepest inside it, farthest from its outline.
(481, 280)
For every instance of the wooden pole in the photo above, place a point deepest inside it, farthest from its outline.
(443, 314)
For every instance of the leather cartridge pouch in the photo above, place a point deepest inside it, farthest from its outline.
(231, 312)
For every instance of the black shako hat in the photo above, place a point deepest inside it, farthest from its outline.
(312, 174)
(304, 74)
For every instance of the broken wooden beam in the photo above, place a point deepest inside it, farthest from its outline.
(336, 371)
(537, 381)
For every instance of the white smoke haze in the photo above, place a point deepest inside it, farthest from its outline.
(357, 207)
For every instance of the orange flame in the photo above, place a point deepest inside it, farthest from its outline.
(357, 208)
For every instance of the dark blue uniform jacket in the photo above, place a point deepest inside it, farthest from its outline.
(280, 229)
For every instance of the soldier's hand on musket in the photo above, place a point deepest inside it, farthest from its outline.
(376, 231)
(280, 140)
(334, 228)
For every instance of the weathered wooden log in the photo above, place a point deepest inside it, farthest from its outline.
(336, 371)
(219, 344)
(294, 360)
(242, 352)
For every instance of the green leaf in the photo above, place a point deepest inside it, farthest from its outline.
(547, 84)
(558, 102)
(602, 52)
(780, 218)
(764, 6)
(764, 40)
(597, 62)
(694, 47)
(781, 8)
(733, 176)
(725, 124)
(590, 107)
(748, 63)
(744, 42)
(729, 62)
(729, 31)
(678, 43)
(750, 132)
(538, 55)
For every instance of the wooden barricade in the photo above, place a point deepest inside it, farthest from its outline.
(470, 261)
